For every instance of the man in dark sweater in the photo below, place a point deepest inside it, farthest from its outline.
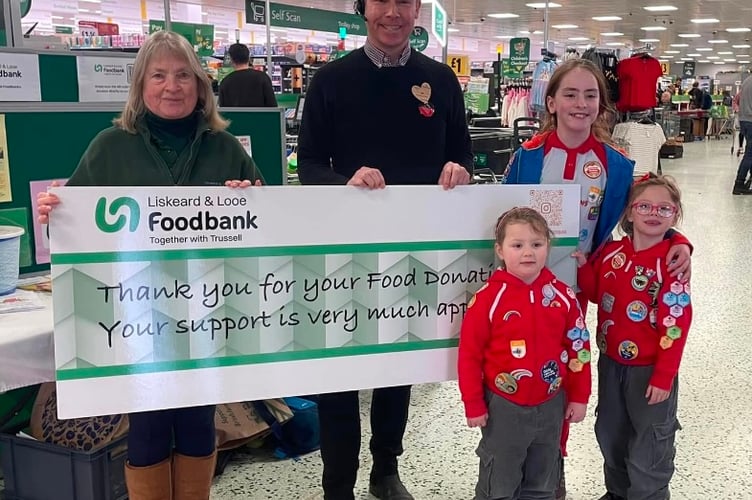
(382, 115)
(245, 87)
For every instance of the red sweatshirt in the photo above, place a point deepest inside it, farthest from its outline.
(524, 342)
(643, 313)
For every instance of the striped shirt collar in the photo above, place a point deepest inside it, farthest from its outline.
(382, 60)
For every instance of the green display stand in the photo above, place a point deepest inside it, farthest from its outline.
(46, 141)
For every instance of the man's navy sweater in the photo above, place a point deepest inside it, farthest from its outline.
(357, 114)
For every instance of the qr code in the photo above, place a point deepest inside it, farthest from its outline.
(549, 204)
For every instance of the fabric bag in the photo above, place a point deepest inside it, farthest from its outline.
(300, 435)
(82, 434)
(240, 423)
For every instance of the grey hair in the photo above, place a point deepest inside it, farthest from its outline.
(159, 44)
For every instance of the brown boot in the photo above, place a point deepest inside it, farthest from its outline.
(152, 482)
(192, 476)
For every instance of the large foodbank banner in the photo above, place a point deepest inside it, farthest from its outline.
(170, 297)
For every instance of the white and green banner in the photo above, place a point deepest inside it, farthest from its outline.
(170, 297)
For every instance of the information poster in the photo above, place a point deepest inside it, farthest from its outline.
(19, 77)
(171, 297)
(103, 79)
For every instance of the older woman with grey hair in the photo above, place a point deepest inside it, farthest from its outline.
(169, 133)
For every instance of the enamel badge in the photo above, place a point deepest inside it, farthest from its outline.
(423, 94)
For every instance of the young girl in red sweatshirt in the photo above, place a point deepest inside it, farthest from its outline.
(643, 319)
(523, 345)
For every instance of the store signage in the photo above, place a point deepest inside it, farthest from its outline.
(63, 30)
(688, 69)
(95, 28)
(103, 79)
(519, 53)
(157, 288)
(439, 23)
(508, 71)
(19, 77)
(459, 64)
(419, 39)
(665, 68)
(201, 36)
(291, 16)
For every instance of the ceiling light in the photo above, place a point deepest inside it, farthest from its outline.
(612, 33)
(606, 18)
(673, 52)
(524, 32)
(614, 44)
(680, 45)
(453, 30)
(742, 46)
(505, 37)
(648, 40)
(712, 57)
(724, 53)
(565, 26)
(666, 57)
(730, 60)
(738, 30)
(660, 8)
(542, 5)
(719, 62)
(653, 28)
(503, 15)
(694, 55)
(717, 41)
(703, 61)
(687, 59)
(704, 49)
(705, 20)
(689, 35)
(578, 39)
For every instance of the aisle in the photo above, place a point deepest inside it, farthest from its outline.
(714, 456)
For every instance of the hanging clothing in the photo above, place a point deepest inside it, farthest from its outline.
(638, 78)
(642, 142)
(607, 63)
(541, 75)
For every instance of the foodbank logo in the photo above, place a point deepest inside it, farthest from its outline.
(115, 208)
(98, 68)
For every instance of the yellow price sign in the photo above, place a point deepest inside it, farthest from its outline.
(460, 65)
(665, 68)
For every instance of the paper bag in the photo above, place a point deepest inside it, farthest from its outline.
(237, 423)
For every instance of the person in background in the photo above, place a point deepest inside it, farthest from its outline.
(522, 323)
(745, 125)
(168, 134)
(643, 321)
(574, 147)
(695, 96)
(245, 87)
(382, 115)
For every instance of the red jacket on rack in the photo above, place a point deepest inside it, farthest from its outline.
(643, 313)
(638, 78)
(524, 342)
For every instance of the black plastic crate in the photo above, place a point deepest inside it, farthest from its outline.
(36, 470)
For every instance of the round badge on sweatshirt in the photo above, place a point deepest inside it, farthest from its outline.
(637, 311)
(554, 386)
(506, 383)
(618, 261)
(640, 282)
(628, 350)
(592, 169)
(550, 371)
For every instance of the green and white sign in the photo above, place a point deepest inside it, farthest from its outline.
(291, 16)
(103, 79)
(519, 53)
(19, 77)
(201, 36)
(439, 23)
(168, 297)
(509, 71)
(419, 39)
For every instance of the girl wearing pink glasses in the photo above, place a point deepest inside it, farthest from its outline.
(643, 319)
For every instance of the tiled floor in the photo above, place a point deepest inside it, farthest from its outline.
(714, 457)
